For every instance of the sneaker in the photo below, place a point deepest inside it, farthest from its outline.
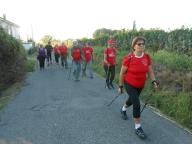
(91, 77)
(140, 133)
(83, 74)
(123, 114)
(76, 80)
(112, 86)
(108, 86)
(74, 72)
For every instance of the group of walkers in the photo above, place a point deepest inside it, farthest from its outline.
(46, 53)
(135, 69)
(81, 56)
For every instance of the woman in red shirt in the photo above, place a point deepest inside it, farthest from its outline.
(133, 74)
(109, 63)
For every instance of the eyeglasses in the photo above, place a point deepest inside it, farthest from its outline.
(141, 44)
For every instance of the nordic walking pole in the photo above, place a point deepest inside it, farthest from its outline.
(70, 70)
(144, 106)
(113, 100)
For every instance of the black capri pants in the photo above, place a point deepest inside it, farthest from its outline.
(133, 99)
(110, 73)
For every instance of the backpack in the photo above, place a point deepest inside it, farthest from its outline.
(42, 52)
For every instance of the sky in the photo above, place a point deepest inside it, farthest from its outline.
(64, 19)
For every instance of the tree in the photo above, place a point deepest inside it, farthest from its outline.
(46, 39)
(103, 32)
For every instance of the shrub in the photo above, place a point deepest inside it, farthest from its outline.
(12, 59)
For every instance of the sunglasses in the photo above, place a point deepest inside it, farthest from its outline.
(141, 44)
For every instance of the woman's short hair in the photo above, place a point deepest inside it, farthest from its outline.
(136, 39)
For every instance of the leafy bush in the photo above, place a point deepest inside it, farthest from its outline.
(12, 59)
(30, 65)
(32, 51)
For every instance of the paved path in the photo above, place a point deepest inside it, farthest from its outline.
(53, 110)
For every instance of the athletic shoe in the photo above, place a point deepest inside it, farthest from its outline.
(123, 114)
(91, 77)
(74, 72)
(140, 133)
(112, 86)
(108, 86)
(83, 74)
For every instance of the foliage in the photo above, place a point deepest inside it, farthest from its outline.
(103, 32)
(8, 93)
(4, 101)
(179, 40)
(177, 106)
(12, 59)
(69, 43)
(46, 39)
(32, 50)
(173, 60)
(30, 65)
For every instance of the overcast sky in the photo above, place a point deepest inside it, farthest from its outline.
(65, 19)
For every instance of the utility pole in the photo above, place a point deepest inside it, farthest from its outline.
(134, 25)
(31, 32)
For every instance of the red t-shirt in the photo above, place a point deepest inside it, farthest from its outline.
(56, 50)
(111, 55)
(137, 69)
(87, 52)
(76, 54)
(63, 50)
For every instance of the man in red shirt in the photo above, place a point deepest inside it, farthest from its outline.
(88, 58)
(76, 55)
(133, 73)
(109, 63)
(63, 53)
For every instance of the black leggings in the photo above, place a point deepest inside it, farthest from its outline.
(133, 99)
(110, 74)
(57, 58)
(42, 62)
(49, 58)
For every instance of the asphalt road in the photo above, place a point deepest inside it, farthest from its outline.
(53, 110)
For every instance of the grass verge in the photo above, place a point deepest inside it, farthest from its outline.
(7, 94)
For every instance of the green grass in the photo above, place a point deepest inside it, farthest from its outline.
(8, 94)
(173, 60)
(30, 65)
(3, 102)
